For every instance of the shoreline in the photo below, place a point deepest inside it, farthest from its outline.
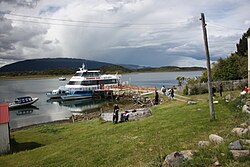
(28, 77)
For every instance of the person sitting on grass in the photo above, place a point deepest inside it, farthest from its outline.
(124, 116)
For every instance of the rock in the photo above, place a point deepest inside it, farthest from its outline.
(134, 114)
(248, 103)
(245, 131)
(235, 145)
(240, 153)
(203, 143)
(243, 125)
(246, 142)
(192, 102)
(228, 97)
(217, 163)
(216, 139)
(248, 122)
(238, 131)
(245, 109)
(175, 158)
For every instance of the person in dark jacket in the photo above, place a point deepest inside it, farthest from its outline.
(221, 89)
(156, 98)
(115, 114)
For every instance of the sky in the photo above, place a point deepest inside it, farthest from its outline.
(141, 32)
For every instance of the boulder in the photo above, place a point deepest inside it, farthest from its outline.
(244, 125)
(245, 109)
(216, 139)
(248, 122)
(134, 114)
(203, 143)
(236, 145)
(192, 102)
(240, 153)
(176, 158)
(238, 131)
(246, 142)
(245, 131)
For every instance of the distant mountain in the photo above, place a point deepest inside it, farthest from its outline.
(169, 68)
(131, 66)
(70, 63)
(49, 63)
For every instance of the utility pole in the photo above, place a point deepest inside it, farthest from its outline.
(248, 45)
(210, 93)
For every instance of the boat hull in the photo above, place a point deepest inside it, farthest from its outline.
(75, 97)
(53, 96)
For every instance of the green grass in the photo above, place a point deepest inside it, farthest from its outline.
(173, 126)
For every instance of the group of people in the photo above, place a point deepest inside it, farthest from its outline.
(124, 116)
(170, 91)
(163, 90)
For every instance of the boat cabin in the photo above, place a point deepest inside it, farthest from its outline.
(21, 100)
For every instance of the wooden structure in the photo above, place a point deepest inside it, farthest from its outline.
(4, 128)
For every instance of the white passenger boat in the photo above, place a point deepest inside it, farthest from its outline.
(85, 82)
(57, 93)
(22, 101)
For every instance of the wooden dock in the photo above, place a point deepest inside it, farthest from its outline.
(114, 92)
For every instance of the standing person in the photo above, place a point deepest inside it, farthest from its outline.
(213, 91)
(156, 98)
(172, 93)
(163, 89)
(221, 89)
(115, 114)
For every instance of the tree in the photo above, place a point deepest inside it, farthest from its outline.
(180, 80)
(242, 45)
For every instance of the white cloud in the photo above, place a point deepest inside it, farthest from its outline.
(144, 32)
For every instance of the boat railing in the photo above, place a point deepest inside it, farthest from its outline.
(132, 88)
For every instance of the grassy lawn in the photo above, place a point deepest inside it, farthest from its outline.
(173, 126)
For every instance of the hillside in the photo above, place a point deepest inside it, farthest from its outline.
(169, 69)
(51, 63)
(67, 66)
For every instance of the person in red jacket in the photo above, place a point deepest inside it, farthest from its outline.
(246, 89)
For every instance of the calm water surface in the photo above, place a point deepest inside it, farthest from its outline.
(45, 110)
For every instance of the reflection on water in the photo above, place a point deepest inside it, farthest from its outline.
(31, 115)
(24, 110)
(78, 106)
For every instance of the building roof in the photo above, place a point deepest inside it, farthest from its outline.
(4, 113)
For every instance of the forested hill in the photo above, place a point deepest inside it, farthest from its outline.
(170, 68)
(51, 63)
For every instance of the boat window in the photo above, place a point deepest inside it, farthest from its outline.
(90, 74)
(74, 83)
(108, 81)
(78, 74)
(94, 82)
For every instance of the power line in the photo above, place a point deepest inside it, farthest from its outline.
(80, 26)
(224, 27)
(94, 22)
